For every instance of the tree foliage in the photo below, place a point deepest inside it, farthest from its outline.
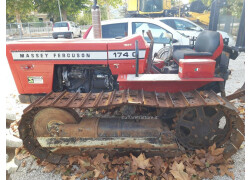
(69, 8)
(85, 18)
(234, 7)
(113, 3)
(18, 9)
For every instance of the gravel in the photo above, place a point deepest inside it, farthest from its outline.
(32, 171)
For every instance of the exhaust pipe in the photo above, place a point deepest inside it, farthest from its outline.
(96, 20)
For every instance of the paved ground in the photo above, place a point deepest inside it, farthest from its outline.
(31, 171)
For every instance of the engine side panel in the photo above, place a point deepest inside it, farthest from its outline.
(33, 62)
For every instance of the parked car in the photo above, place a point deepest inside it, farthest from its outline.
(118, 28)
(189, 28)
(66, 29)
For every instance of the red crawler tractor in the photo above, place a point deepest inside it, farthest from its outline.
(110, 95)
(114, 96)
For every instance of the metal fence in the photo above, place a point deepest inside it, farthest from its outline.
(32, 30)
(29, 30)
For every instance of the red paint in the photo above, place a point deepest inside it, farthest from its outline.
(85, 35)
(195, 68)
(167, 85)
(164, 86)
(159, 63)
(22, 69)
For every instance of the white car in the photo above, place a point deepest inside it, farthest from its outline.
(66, 29)
(189, 28)
(118, 28)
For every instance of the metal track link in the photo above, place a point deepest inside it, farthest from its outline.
(105, 100)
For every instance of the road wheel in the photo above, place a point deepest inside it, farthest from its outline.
(55, 37)
(71, 36)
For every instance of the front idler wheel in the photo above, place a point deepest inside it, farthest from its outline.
(47, 121)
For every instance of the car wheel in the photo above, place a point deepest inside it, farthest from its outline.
(71, 36)
(55, 37)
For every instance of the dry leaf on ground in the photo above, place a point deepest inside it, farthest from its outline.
(158, 165)
(177, 170)
(99, 159)
(49, 168)
(140, 162)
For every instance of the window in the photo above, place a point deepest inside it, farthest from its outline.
(61, 24)
(184, 25)
(160, 35)
(115, 30)
(151, 5)
(169, 22)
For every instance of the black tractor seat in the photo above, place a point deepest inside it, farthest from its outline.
(209, 45)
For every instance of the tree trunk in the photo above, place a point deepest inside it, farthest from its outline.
(19, 21)
(64, 15)
(108, 11)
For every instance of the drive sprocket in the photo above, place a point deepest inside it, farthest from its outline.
(200, 127)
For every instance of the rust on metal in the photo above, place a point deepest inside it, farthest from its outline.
(57, 124)
(78, 100)
(51, 116)
(86, 128)
(236, 95)
(194, 98)
(65, 99)
(125, 143)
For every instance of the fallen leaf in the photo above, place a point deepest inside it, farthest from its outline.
(99, 159)
(165, 176)
(88, 174)
(212, 148)
(217, 151)
(242, 146)
(97, 173)
(141, 161)
(231, 174)
(158, 165)
(224, 170)
(72, 159)
(121, 160)
(177, 170)
(213, 170)
(73, 177)
(84, 163)
(205, 174)
(149, 174)
(24, 155)
(48, 168)
(23, 163)
(112, 174)
(141, 178)
(191, 171)
(199, 163)
(65, 177)
(17, 150)
(140, 171)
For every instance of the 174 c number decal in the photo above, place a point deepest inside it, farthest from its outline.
(125, 54)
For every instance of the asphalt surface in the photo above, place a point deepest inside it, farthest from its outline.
(34, 172)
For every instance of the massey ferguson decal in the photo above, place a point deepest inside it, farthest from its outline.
(75, 55)
(59, 55)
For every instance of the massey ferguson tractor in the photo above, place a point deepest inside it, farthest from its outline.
(114, 96)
